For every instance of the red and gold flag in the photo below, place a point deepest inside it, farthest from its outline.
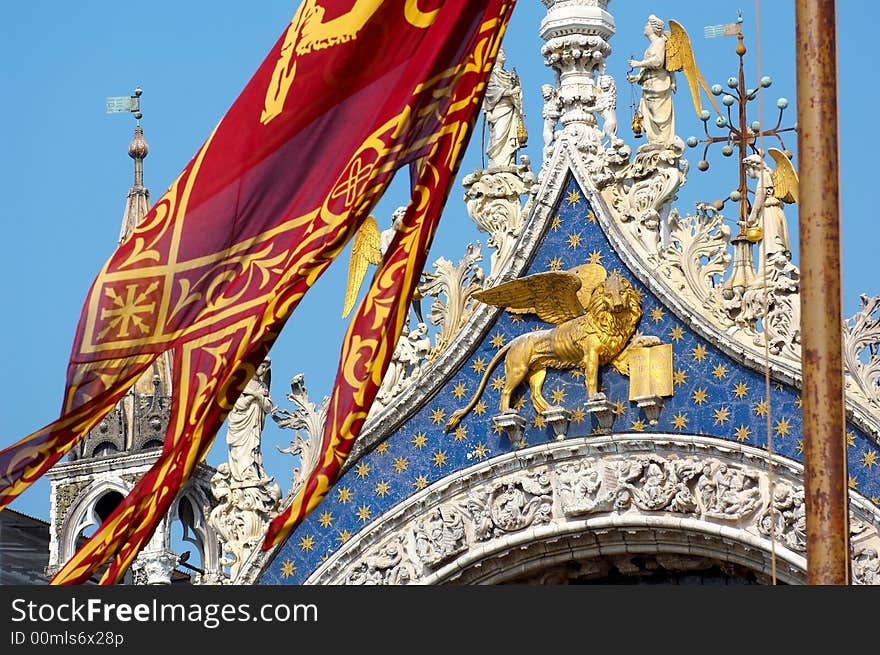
(352, 91)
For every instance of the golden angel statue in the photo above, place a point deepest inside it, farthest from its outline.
(667, 53)
(368, 247)
(766, 222)
(595, 316)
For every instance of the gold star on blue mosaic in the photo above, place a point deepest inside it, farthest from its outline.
(798, 402)
(364, 513)
(574, 197)
(343, 536)
(401, 464)
(420, 482)
(594, 257)
(419, 440)
(557, 395)
(762, 407)
(480, 451)
(638, 425)
(782, 427)
(515, 318)
(618, 408)
(343, 494)
(719, 371)
(480, 408)
(742, 433)
(439, 458)
(657, 314)
(306, 543)
(576, 374)
(287, 568)
(438, 416)
(591, 216)
(700, 396)
(382, 448)
(676, 334)
(519, 403)
(382, 489)
(699, 353)
(555, 264)
(850, 440)
(741, 390)
(497, 340)
(800, 446)
(679, 377)
(478, 365)
(869, 458)
(460, 433)
(556, 223)
(680, 421)
(853, 483)
(721, 415)
(538, 421)
(578, 415)
(459, 390)
(326, 519)
(574, 240)
(497, 429)
(497, 383)
(362, 470)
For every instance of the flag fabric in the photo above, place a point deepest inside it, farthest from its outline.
(351, 91)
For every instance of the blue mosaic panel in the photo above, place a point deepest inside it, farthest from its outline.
(714, 396)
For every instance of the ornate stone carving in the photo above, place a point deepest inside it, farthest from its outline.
(641, 195)
(786, 520)
(458, 284)
(866, 567)
(151, 414)
(646, 490)
(727, 493)
(582, 489)
(652, 484)
(493, 202)
(386, 565)
(64, 497)
(154, 568)
(698, 253)
(247, 497)
(440, 536)
(511, 505)
(862, 349)
(307, 422)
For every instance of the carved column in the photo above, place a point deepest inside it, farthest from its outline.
(576, 34)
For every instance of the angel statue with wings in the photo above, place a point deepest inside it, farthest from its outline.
(667, 53)
(766, 222)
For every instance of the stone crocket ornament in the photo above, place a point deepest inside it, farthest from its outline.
(595, 314)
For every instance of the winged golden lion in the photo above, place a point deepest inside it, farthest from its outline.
(595, 314)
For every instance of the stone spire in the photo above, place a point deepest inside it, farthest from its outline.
(576, 34)
(137, 204)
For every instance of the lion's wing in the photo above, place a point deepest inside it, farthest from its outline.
(553, 296)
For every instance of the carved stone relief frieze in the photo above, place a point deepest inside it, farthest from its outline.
(563, 488)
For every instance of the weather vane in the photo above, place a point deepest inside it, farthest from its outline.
(741, 136)
(123, 104)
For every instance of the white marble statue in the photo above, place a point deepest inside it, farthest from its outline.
(606, 105)
(658, 85)
(502, 107)
(246, 421)
(550, 113)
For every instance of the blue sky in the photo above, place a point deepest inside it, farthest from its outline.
(65, 170)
